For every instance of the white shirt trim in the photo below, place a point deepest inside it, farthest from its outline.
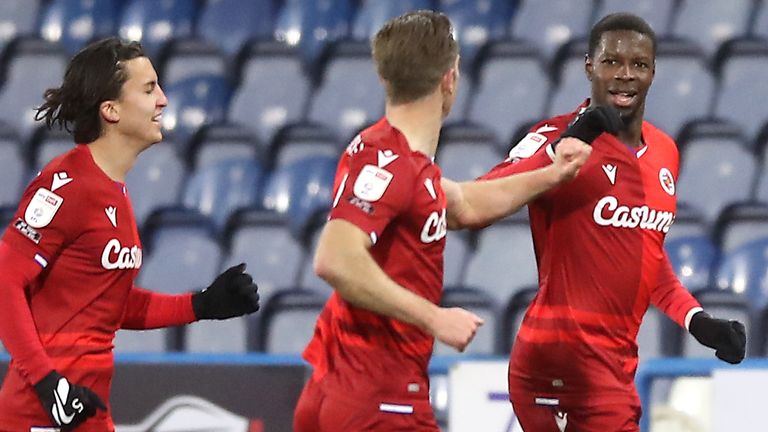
(689, 315)
(550, 152)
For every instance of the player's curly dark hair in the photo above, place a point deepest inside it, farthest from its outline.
(94, 75)
(617, 22)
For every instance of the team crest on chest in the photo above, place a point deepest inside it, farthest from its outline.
(667, 181)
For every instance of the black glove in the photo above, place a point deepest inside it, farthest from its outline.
(232, 294)
(592, 122)
(67, 404)
(728, 338)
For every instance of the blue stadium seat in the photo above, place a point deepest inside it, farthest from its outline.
(6, 217)
(288, 321)
(455, 257)
(155, 180)
(760, 192)
(273, 89)
(215, 143)
(263, 241)
(301, 141)
(739, 224)
(655, 336)
(13, 170)
(512, 316)
(481, 304)
(760, 23)
(688, 222)
(716, 168)
(725, 305)
(74, 23)
(658, 14)
(682, 79)
(350, 95)
(231, 23)
(192, 103)
(467, 152)
(142, 341)
(477, 22)
(498, 246)
(18, 18)
(372, 14)
(180, 255)
(501, 102)
(214, 336)
(154, 23)
(47, 144)
(743, 271)
(218, 189)
(308, 279)
(187, 58)
(550, 23)
(572, 84)
(740, 100)
(312, 24)
(709, 23)
(692, 258)
(300, 190)
(31, 66)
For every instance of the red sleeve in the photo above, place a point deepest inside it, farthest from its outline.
(17, 327)
(671, 297)
(509, 167)
(145, 310)
(370, 196)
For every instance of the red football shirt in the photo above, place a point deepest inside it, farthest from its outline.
(393, 194)
(77, 224)
(601, 262)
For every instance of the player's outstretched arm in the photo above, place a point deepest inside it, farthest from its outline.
(343, 260)
(727, 337)
(479, 203)
(231, 294)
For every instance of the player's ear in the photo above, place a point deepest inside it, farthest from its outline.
(109, 111)
(589, 68)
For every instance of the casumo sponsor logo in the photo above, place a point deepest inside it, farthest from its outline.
(435, 228)
(115, 256)
(608, 212)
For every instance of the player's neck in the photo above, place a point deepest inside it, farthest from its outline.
(632, 135)
(113, 157)
(419, 122)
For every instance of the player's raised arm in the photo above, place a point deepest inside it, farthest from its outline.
(478, 203)
(343, 260)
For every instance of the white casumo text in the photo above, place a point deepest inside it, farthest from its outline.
(608, 212)
(434, 228)
(115, 256)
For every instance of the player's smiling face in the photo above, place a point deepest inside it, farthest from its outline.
(141, 102)
(621, 71)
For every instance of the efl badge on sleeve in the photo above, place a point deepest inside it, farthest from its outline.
(527, 146)
(42, 208)
(372, 183)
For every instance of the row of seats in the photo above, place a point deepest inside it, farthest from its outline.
(287, 320)
(224, 169)
(228, 24)
(510, 91)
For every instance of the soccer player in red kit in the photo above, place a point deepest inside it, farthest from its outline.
(382, 249)
(70, 256)
(600, 255)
